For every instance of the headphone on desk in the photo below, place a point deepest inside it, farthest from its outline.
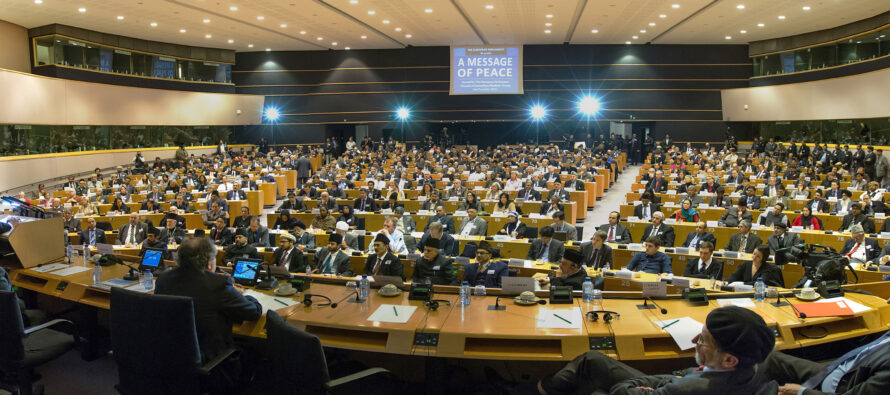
(607, 316)
(433, 304)
(307, 300)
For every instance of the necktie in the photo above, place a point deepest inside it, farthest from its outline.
(702, 268)
(814, 381)
(742, 244)
(132, 238)
(327, 264)
(92, 237)
(781, 241)
(611, 233)
(694, 243)
(377, 265)
(595, 258)
(654, 232)
(853, 250)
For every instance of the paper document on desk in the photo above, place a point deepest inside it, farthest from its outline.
(50, 267)
(740, 302)
(396, 314)
(71, 270)
(856, 307)
(270, 302)
(682, 330)
(139, 287)
(559, 319)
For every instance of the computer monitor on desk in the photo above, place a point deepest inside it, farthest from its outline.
(152, 259)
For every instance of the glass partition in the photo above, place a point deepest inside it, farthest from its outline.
(45, 139)
(860, 48)
(874, 131)
(62, 51)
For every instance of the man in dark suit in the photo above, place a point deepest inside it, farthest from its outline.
(858, 249)
(856, 217)
(570, 272)
(596, 253)
(171, 232)
(92, 235)
(364, 202)
(240, 248)
(383, 262)
(744, 241)
(645, 209)
(446, 220)
(288, 256)
(247, 184)
(72, 225)
(734, 215)
(529, 193)
(658, 184)
(332, 260)
(292, 203)
(694, 239)
(574, 183)
(732, 342)
(132, 232)
(616, 232)
(304, 170)
(236, 193)
(219, 303)
(719, 200)
(781, 239)
(559, 191)
(752, 201)
(485, 271)
(704, 266)
(432, 266)
(221, 235)
(818, 205)
(659, 229)
(447, 244)
(545, 247)
(862, 370)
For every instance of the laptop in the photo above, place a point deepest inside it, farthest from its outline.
(153, 259)
(246, 271)
(559, 235)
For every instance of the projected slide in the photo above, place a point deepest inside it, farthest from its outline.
(486, 70)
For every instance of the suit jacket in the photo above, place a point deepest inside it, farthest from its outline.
(339, 263)
(622, 234)
(240, 222)
(351, 241)
(725, 203)
(480, 227)
(409, 224)
(447, 245)
(735, 242)
(790, 239)
(577, 185)
(236, 195)
(735, 382)
(753, 202)
(872, 249)
(638, 210)
(295, 262)
(368, 204)
(658, 185)
(571, 232)
(331, 204)
(124, 231)
(603, 255)
(440, 271)
(529, 195)
(218, 305)
(547, 207)
(100, 236)
(554, 255)
(303, 167)
(446, 220)
(520, 229)
(772, 200)
(222, 238)
(867, 225)
(391, 265)
(298, 205)
(72, 225)
(705, 237)
(429, 205)
(730, 217)
(771, 274)
(822, 205)
(665, 232)
(459, 193)
(564, 195)
(490, 278)
(693, 269)
(167, 236)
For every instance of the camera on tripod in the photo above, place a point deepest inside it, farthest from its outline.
(823, 266)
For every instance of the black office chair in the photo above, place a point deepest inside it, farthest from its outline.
(311, 376)
(469, 250)
(155, 344)
(360, 223)
(531, 232)
(21, 350)
(104, 225)
(579, 230)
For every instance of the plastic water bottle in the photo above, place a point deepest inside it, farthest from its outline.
(758, 289)
(598, 298)
(308, 270)
(86, 254)
(587, 290)
(69, 252)
(364, 287)
(479, 290)
(97, 273)
(148, 280)
(465, 293)
(607, 268)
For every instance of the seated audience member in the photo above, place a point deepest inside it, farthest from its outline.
(552, 206)
(751, 199)
(347, 215)
(240, 248)
(744, 241)
(659, 229)
(651, 260)
(440, 217)
(504, 204)
(292, 203)
(771, 217)
(364, 202)
(704, 266)
(432, 267)
(616, 232)
(779, 197)
(473, 225)
(392, 203)
(733, 215)
(242, 220)
(781, 239)
(700, 235)
(328, 202)
(215, 212)
(529, 194)
(686, 212)
(284, 221)
(432, 202)
(404, 223)
(560, 225)
(645, 209)
(172, 233)
(288, 256)
(806, 219)
(219, 304)
(858, 249)
(331, 259)
(221, 235)
(596, 253)
(818, 205)
(349, 239)
(748, 272)
(446, 243)
(119, 207)
(570, 272)
(152, 240)
(545, 247)
(383, 262)
(323, 220)
(485, 271)
(719, 200)
(92, 235)
(857, 217)
(470, 201)
(732, 342)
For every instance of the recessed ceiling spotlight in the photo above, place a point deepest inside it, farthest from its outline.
(207, 36)
(206, 20)
(549, 15)
(302, 32)
(353, 1)
(268, 49)
(231, 41)
(489, 7)
(743, 31)
(319, 38)
(386, 21)
(760, 25)
(627, 42)
(153, 24)
(643, 31)
(249, 45)
(334, 43)
(283, 25)
(663, 16)
(120, 17)
(408, 36)
(428, 10)
(398, 29)
(233, 8)
(81, 9)
(371, 12)
(347, 48)
(635, 37)
(259, 18)
(651, 23)
(38, 1)
(594, 31)
(806, 8)
(548, 24)
(182, 30)
(546, 31)
(781, 16)
(728, 37)
(364, 37)
(740, 6)
(675, 6)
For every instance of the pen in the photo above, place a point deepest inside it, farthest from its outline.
(672, 323)
(567, 321)
(396, 311)
(276, 299)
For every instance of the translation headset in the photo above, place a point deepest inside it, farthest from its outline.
(607, 316)
(433, 304)
(307, 300)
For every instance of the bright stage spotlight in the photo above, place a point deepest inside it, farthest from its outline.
(271, 114)
(403, 113)
(538, 112)
(588, 106)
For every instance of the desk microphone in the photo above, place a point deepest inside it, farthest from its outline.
(497, 306)
(800, 314)
(646, 306)
(357, 299)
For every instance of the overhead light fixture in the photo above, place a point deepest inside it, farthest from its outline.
(334, 43)
(268, 50)
(283, 25)
(594, 31)
(588, 106)
(548, 24)
(728, 37)
(271, 113)
(302, 32)
(489, 7)
(675, 6)
(760, 25)
(249, 45)
(627, 42)
(549, 15)
(371, 12)
(231, 41)
(635, 37)
(743, 31)
(428, 10)
(364, 37)
(386, 21)
(120, 17)
(206, 20)
(409, 35)
(347, 48)
(398, 29)
(663, 16)
(781, 16)
(537, 112)
(403, 113)
(740, 6)
(546, 31)
(153, 24)
(259, 18)
(353, 1)
(233, 8)
(643, 31)
(38, 1)
(806, 8)
(81, 9)
(207, 36)
(651, 23)
(182, 30)
(319, 38)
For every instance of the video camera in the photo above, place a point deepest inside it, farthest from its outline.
(821, 264)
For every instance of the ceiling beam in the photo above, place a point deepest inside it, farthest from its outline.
(226, 17)
(684, 20)
(470, 22)
(359, 22)
(579, 10)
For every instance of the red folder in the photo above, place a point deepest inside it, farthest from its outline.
(826, 309)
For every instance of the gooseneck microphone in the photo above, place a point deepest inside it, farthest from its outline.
(800, 314)
(647, 306)
(497, 305)
(357, 298)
